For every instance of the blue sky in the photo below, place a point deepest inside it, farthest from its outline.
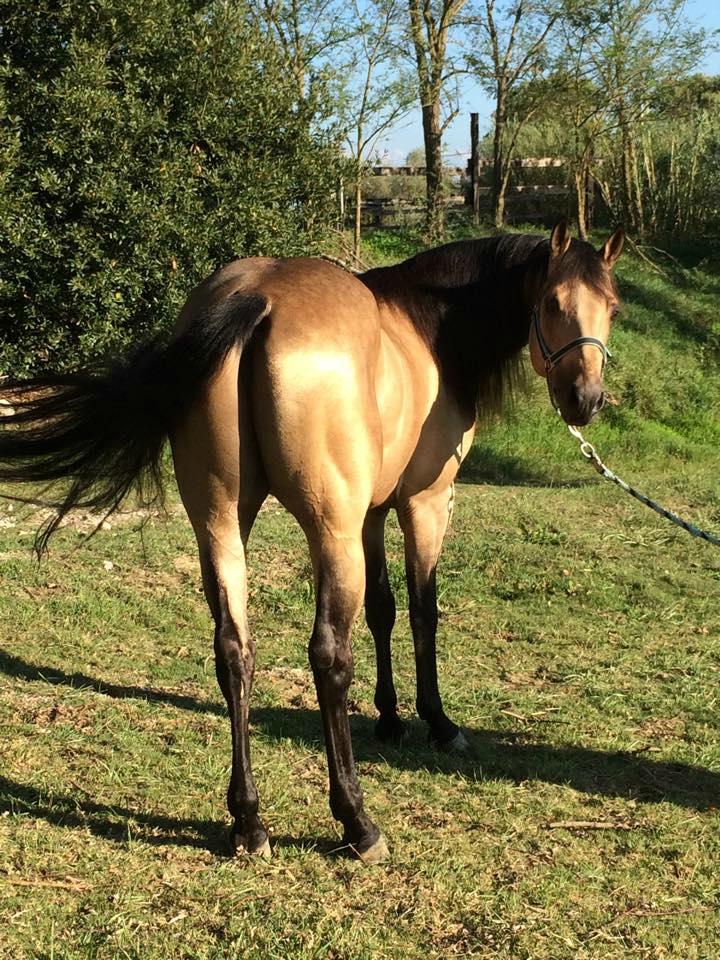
(398, 142)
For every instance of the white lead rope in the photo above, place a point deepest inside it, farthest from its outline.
(591, 454)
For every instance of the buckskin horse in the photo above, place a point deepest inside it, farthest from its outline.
(344, 396)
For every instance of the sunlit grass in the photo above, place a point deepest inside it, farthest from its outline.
(579, 649)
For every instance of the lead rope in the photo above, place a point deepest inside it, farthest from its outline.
(451, 501)
(592, 456)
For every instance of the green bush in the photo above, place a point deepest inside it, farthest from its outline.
(142, 144)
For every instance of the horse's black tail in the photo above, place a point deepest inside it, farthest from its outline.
(103, 431)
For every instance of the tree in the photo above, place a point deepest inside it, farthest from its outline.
(308, 34)
(574, 118)
(609, 108)
(416, 157)
(511, 59)
(432, 23)
(144, 144)
(679, 151)
(380, 91)
(628, 50)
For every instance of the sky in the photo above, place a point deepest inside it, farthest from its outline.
(399, 141)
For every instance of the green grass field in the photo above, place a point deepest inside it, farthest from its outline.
(579, 651)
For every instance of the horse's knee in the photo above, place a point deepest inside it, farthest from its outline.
(323, 646)
(330, 658)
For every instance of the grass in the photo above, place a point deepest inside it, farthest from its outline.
(580, 652)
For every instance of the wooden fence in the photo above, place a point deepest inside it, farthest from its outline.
(525, 203)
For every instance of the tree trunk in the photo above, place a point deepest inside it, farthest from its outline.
(674, 202)
(589, 195)
(584, 192)
(626, 180)
(652, 193)
(638, 213)
(502, 194)
(499, 178)
(581, 198)
(474, 169)
(341, 206)
(631, 200)
(691, 218)
(435, 214)
(358, 212)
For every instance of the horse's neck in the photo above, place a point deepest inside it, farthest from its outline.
(472, 302)
(485, 289)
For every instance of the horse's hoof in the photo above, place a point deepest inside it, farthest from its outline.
(258, 847)
(377, 853)
(457, 744)
(390, 729)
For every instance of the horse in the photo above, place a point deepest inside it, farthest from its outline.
(345, 396)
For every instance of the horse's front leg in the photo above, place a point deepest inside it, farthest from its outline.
(424, 519)
(380, 617)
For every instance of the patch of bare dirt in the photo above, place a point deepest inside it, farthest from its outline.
(662, 728)
(44, 712)
(295, 686)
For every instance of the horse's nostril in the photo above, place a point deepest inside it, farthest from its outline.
(586, 401)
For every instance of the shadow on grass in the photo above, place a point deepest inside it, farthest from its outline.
(111, 822)
(485, 465)
(515, 757)
(494, 755)
(17, 667)
(124, 825)
(685, 321)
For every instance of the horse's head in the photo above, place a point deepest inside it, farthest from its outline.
(571, 322)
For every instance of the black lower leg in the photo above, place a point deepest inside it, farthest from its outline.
(380, 615)
(235, 666)
(424, 619)
(331, 662)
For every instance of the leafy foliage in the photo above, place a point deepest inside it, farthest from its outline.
(143, 144)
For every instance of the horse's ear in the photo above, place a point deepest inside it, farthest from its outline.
(559, 239)
(612, 248)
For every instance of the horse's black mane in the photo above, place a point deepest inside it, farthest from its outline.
(471, 300)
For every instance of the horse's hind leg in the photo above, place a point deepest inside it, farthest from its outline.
(223, 568)
(222, 559)
(380, 617)
(339, 573)
(222, 493)
(424, 519)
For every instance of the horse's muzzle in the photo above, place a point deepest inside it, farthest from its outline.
(582, 403)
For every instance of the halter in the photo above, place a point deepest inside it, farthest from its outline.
(552, 359)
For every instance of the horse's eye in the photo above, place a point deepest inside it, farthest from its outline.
(552, 304)
(614, 310)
